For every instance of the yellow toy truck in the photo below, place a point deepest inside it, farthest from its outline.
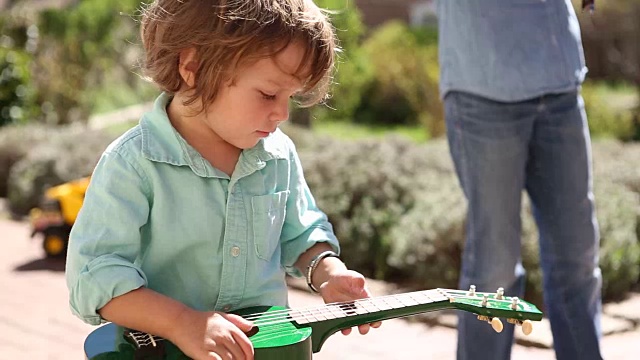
(56, 214)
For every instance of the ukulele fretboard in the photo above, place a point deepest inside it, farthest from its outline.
(366, 306)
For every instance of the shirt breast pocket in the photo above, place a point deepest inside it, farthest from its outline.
(268, 217)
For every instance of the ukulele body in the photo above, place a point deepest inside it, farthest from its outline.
(275, 340)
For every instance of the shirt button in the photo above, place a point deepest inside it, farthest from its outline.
(235, 251)
(226, 308)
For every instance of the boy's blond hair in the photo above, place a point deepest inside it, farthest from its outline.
(228, 34)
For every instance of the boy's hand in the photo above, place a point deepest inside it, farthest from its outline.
(213, 336)
(347, 285)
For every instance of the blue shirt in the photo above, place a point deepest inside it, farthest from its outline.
(509, 50)
(157, 214)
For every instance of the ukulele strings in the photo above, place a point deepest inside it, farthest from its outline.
(342, 305)
(347, 308)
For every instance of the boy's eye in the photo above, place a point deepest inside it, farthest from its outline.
(267, 96)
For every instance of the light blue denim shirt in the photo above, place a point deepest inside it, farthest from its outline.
(509, 50)
(157, 214)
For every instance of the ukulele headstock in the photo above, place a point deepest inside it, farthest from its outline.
(490, 307)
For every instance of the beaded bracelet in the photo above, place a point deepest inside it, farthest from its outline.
(314, 264)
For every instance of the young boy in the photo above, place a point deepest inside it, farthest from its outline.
(202, 207)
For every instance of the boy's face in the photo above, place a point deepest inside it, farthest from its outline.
(257, 101)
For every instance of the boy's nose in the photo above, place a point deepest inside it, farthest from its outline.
(280, 112)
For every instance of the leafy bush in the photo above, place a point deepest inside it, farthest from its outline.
(353, 70)
(67, 153)
(365, 190)
(17, 103)
(405, 85)
(400, 215)
(78, 47)
(17, 93)
(396, 207)
(618, 217)
(609, 111)
(618, 162)
(15, 143)
(426, 243)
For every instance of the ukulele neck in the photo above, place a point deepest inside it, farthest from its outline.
(328, 319)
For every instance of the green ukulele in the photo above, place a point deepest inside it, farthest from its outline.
(294, 334)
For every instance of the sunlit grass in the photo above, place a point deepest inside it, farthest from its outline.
(353, 131)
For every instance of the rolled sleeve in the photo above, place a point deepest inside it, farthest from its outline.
(305, 224)
(100, 281)
(104, 244)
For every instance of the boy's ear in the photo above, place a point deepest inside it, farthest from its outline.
(188, 66)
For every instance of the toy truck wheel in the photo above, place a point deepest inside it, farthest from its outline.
(55, 243)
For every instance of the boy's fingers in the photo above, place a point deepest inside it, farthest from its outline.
(242, 323)
(376, 324)
(244, 344)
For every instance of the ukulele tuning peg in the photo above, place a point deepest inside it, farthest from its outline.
(527, 325)
(495, 322)
(514, 303)
(500, 294)
(472, 290)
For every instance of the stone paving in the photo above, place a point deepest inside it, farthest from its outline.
(35, 322)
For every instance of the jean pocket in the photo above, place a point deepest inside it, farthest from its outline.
(268, 217)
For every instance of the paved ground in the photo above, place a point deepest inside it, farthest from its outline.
(35, 322)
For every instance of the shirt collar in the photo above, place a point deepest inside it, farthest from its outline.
(162, 143)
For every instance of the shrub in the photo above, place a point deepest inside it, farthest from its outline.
(353, 70)
(15, 142)
(426, 243)
(618, 162)
(398, 209)
(17, 93)
(607, 113)
(364, 187)
(17, 102)
(405, 85)
(618, 217)
(68, 153)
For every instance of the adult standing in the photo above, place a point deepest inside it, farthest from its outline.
(511, 72)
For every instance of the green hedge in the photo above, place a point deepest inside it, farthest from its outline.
(33, 158)
(396, 206)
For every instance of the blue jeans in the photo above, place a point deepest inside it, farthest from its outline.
(541, 146)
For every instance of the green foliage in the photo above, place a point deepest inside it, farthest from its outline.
(17, 92)
(353, 72)
(356, 131)
(364, 190)
(618, 218)
(17, 101)
(15, 143)
(610, 110)
(398, 209)
(612, 50)
(396, 206)
(405, 85)
(55, 155)
(427, 242)
(79, 47)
